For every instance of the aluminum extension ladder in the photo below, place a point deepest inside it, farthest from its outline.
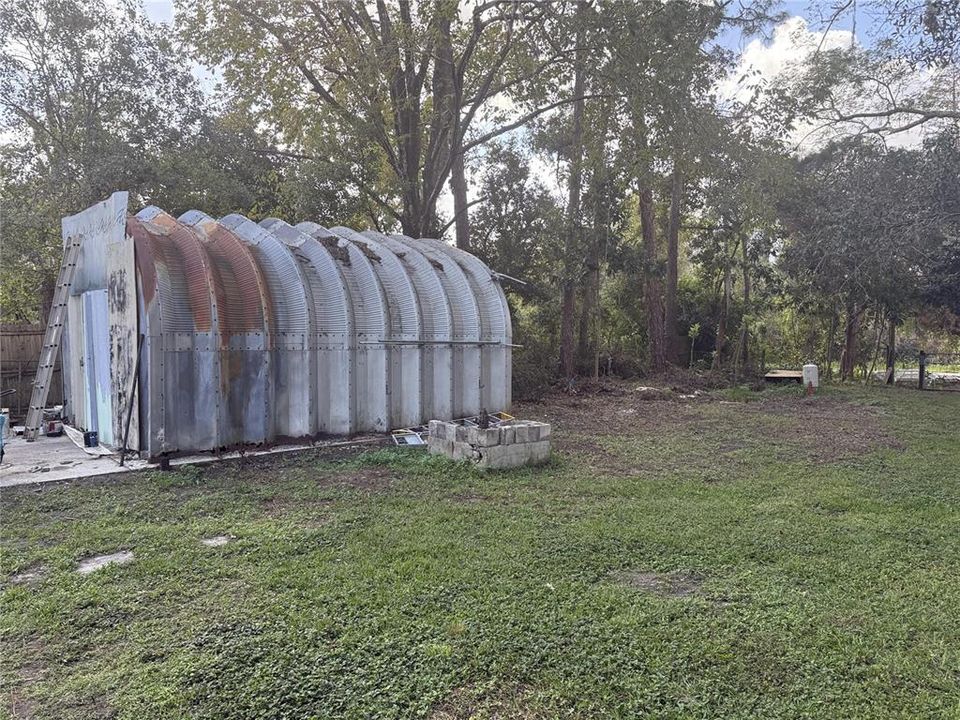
(51, 340)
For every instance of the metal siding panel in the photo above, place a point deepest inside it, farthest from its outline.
(495, 326)
(185, 410)
(290, 322)
(465, 316)
(403, 330)
(243, 310)
(371, 388)
(96, 322)
(437, 329)
(332, 340)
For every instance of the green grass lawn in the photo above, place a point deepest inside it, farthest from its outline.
(752, 555)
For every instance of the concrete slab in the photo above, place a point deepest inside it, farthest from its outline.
(54, 458)
(49, 459)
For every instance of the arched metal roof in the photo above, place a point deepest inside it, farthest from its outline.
(257, 332)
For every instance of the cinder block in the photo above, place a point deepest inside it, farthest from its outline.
(545, 430)
(501, 457)
(533, 432)
(507, 435)
(460, 433)
(522, 433)
(488, 437)
(439, 446)
(464, 451)
(472, 434)
(436, 429)
(450, 431)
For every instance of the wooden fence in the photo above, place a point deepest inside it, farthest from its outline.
(19, 353)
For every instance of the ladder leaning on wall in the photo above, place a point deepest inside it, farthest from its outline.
(51, 339)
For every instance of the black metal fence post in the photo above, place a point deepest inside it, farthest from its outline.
(923, 370)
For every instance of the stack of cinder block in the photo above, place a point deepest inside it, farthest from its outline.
(511, 444)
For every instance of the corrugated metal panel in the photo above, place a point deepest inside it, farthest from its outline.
(404, 386)
(332, 343)
(181, 395)
(495, 327)
(467, 373)
(243, 312)
(372, 382)
(293, 377)
(437, 356)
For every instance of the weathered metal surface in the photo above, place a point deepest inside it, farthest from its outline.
(330, 343)
(243, 312)
(180, 363)
(436, 327)
(465, 316)
(106, 263)
(402, 333)
(289, 324)
(255, 333)
(495, 327)
(370, 393)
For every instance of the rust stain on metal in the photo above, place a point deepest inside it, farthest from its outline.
(143, 250)
(178, 249)
(243, 302)
(338, 251)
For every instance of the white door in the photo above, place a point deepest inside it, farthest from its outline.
(98, 412)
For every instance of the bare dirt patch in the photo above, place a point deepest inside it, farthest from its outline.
(589, 426)
(825, 429)
(94, 563)
(676, 584)
(504, 702)
(30, 576)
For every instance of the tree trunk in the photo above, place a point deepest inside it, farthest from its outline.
(721, 344)
(588, 302)
(747, 288)
(670, 313)
(652, 286)
(458, 186)
(831, 337)
(891, 350)
(848, 358)
(572, 240)
(567, 312)
(878, 324)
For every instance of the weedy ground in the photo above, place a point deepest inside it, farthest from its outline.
(734, 554)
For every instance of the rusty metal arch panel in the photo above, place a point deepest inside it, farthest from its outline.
(179, 358)
(404, 332)
(288, 323)
(495, 327)
(243, 324)
(332, 341)
(371, 320)
(436, 316)
(467, 354)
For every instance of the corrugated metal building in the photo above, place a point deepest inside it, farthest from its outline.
(254, 333)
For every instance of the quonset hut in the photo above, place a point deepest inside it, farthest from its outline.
(254, 333)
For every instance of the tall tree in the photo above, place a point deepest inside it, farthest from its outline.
(411, 80)
(91, 93)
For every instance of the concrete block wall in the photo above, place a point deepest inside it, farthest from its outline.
(511, 444)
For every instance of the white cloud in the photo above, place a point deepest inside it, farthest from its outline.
(793, 42)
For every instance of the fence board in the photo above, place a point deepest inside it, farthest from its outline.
(19, 353)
